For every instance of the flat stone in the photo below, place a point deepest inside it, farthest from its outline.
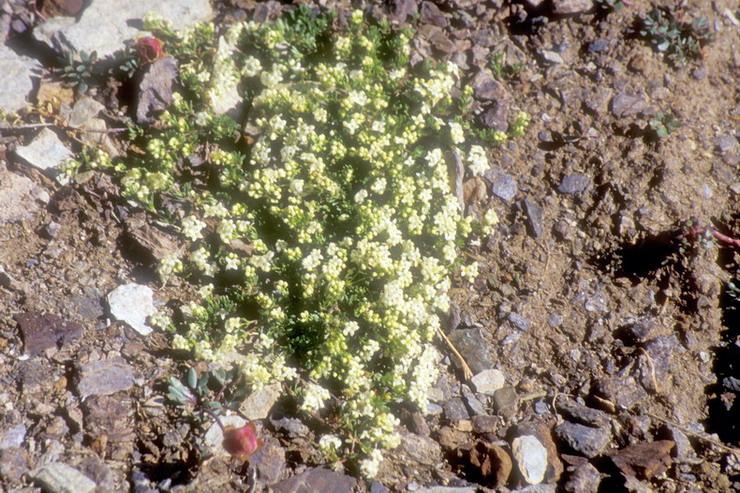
(726, 143)
(16, 83)
(317, 479)
(684, 451)
(473, 347)
(506, 401)
(488, 381)
(624, 104)
(45, 151)
(474, 405)
(534, 217)
(293, 427)
(455, 410)
(85, 109)
(598, 45)
(583, 439)
(571, 7)
(13, 464)
(57, 477)
(155, 89)
(552, 57)
(13, 436)
(531, 458)
(43, 331)
(96, 469)
(422, 450)
(504, 187)
(519, 322)
(582, 414)
(268, 463)
(105, 25)
(430, 14)
(574, 183)
(133, 303)
(17, 198)
(584, 479)
(104, 377)
(111, 415)
(257, 405)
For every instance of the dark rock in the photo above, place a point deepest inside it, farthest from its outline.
(400, 10)
(155, 89)
(622, 391)
(378, 487)
(485, 424)
(506, 401)
(534, 217)
(268, 463)
(661, 351)
(292, 427)
(104, 377)
(683, 451)
(153, 243)
(450, 438)
(33, 377)
(504, 186)
(699, 73)
(473, 347)
(598, 45)
(475, 406)
(317, 479)
(496, 116)
(41, 331)
(731, 383)
(492, 464)
(582, 414)
(644, 460)
(519, 322)
(110, 416)
(574, 183)
(624, 104)
(13, 464)
(584, 478)
(422, 450)
(89, 305)
(583, 439)
(637, 333)
(455, 410)
(486, 88)
(430, 14)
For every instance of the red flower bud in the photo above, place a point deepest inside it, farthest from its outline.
(243, 441)
(150, 49)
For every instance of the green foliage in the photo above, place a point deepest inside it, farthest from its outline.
(679, 40)
(609, 5)
(213, 392)
(663, 124)
(79, 70)
(500, 68)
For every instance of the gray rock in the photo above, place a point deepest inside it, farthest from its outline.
(291, 426)
(506, 401)
(430, 14)
(583, 439)
(731, 383)
(83, 111)
(105, 25)
(447, 489)
(574, 183)
(726, 143)
(16, 83)
(624, 104)
(534, 217)
(422, 450)
(555, 320)
(531, 458)
(551, 57)
(597, 303)
(683, 450)
(486, 424)
(57, 477)
(133, 303)
(584, 479)
(488, 381)
(378, 487)
(571, 7)
(455, 410)
(474, 405)
(13, 464)
(105, 377)
(473, 347)
(13, 436)
(598, 45)
(622, 391)
(258, 404)
(504, 187)
(17, 202)
(317, 479)
(96, 469)
(45, 151)
(44, 331)
(537, 488)
(268, 463)
(155, 89)
(582, 414)
(519, 322)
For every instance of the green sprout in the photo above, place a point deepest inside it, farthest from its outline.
(679, 40)
(663, 124)
(79, 70)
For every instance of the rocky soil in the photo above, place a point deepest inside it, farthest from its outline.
(602, 333)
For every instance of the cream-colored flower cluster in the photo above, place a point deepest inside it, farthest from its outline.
(328, 239)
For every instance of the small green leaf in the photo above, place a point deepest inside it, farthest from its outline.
(192, 378)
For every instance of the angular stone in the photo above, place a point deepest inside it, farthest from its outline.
(83, 111)
(57, 477)
(317, 479)
(622, 391)
(109, 416)
(492, 462)
(17, 198)
(133, 303)
(534, 217)
(41, 331)
(268, 463)
(488, 381)
(16, 83)
(644, 460)
(504, 187)
(473, 347)
(45, 151)
(624, 104)
(455, 410)
(531, 458)
(571, 7)
(506, 401)
(155, 89)
(13, 436)
(422, 450)
(104, 377)
(257, 405)
(519, 322)
(105, 25)
(584, 479)
(582, 414)
(13, 463)
(574, 183)
(430, 14)
(583, 439)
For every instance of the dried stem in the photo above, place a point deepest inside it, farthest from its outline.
(467, 373)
